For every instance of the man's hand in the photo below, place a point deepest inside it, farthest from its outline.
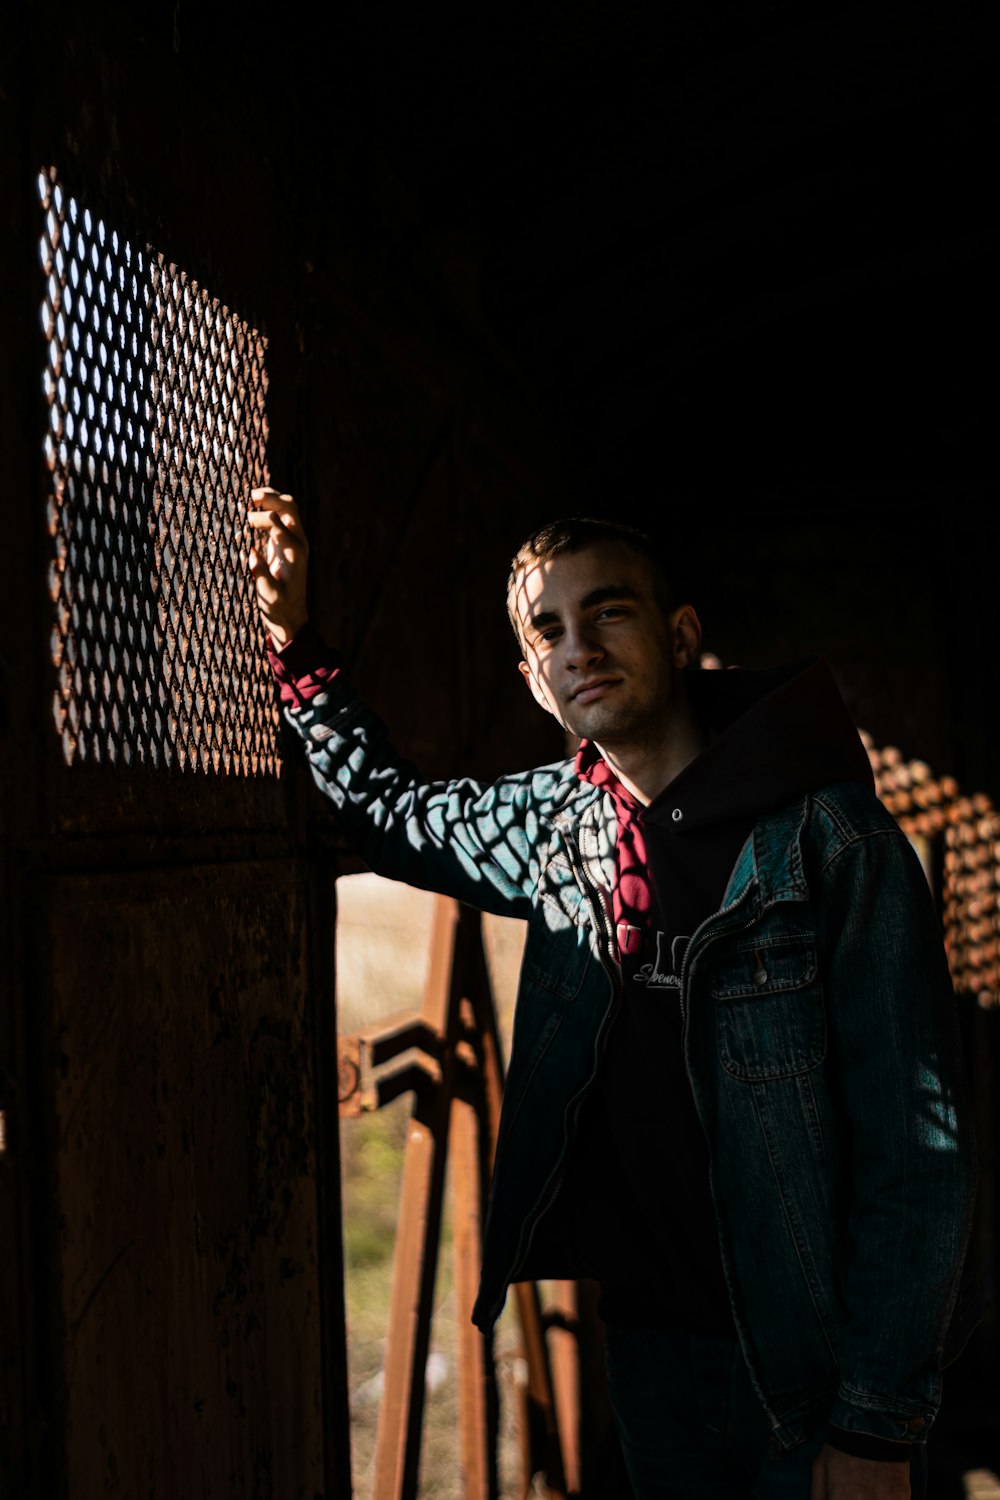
(841, 1476)
(277, 561)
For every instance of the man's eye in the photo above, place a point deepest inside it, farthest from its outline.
(548, 636)
(611, 609)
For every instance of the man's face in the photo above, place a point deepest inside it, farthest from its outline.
(600, 652)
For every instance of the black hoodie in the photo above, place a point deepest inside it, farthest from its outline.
(636, 1201)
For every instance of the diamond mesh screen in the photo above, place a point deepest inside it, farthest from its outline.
(157, 432)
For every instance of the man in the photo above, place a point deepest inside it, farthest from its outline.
(733, 1096)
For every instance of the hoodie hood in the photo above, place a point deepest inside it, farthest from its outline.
(777, 734)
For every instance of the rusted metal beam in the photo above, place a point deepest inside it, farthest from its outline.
(541, 1430)
(414, 1267)
(449, 1053)
(400, 1033)
(561, 1317)
(406, 1075)
(349, 1076)
(362, 1091)
(477, 1437)
(545, 1457)
(397, 1442)
(378, 1064)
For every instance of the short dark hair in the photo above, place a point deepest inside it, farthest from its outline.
(575, 533)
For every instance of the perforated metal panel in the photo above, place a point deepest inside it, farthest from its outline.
(925, 807)
(157, 432)
(972, 898)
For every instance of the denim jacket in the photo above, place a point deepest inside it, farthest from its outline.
(820, 1041)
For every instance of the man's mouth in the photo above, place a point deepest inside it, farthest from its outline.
(589, 692)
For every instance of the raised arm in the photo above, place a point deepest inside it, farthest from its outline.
(474, 841)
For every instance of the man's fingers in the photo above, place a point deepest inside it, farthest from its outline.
(281, 520)
(272, 500)
(270, 559)
(264, 582)
(280, 532)
(259, 518)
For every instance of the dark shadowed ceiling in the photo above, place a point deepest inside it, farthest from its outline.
(744, 257)
(742, 236)
(751, 238)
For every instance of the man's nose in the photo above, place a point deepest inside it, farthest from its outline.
(582, 648)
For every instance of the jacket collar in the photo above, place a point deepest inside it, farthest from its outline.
(771, 858)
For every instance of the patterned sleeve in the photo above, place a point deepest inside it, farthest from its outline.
(304, 667)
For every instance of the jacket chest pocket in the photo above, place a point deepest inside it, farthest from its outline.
(770, 1016)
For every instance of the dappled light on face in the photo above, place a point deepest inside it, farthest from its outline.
(530, 586)
(527, 589)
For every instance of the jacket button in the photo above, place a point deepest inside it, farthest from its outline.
(760, 976)
(677, 815)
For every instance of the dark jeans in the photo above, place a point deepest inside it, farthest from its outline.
(692, 1427)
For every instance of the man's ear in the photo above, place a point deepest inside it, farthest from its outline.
(536, 691)
(686, 633)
